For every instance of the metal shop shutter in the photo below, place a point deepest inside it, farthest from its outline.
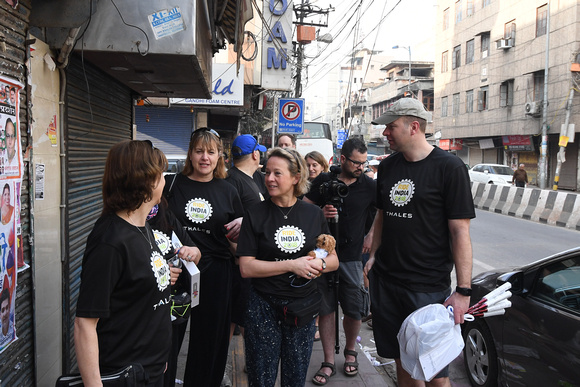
(169, 129)
(17, 362)
(568, 171)
(96, 118)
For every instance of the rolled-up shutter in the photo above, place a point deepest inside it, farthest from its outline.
(168, 129)
(99, 114)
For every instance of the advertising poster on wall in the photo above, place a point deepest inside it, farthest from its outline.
(11, 166)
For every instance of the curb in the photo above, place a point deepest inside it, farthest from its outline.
(556, 208)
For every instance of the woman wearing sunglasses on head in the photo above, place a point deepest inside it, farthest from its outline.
(274, 241)
(210, 210)
(123, 315)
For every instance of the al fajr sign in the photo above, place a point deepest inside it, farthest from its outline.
(277, 46)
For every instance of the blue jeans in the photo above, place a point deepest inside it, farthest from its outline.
(269, 342)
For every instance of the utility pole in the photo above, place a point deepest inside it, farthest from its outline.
(543, 167)
(303, 11)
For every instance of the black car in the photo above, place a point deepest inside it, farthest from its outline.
(537, 341)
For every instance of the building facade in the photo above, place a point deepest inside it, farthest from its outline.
(503, 69)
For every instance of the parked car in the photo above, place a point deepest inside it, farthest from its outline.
(491, 174)
(175, 163)
(537, 341)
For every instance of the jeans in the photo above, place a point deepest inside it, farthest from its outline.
(269, 342)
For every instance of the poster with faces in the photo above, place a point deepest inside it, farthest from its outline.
(11, 169)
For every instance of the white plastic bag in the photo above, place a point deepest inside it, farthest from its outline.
(429, 340)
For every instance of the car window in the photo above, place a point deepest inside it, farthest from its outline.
(559, 283)
(478, 168)
(502, 170)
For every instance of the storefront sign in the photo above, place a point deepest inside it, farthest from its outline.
(277, 45)
(451, 144)
(227, 87)
(518, 143)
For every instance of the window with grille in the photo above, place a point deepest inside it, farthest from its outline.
(469, 51)
(541, 20)
(456, 57)
(469, 101)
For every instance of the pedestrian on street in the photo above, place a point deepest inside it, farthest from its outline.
(286, 140)
(421, 231)
(352, 215)
(210, 211)
(123, 314)
(520, 177)
(164, 224)
(276, 236)
(249, 182)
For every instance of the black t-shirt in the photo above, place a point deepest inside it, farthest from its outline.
(126, 285)
(163, 230)
(204, 208)
(353, 213)
(252, 189)
(418, 199)
(267, 236)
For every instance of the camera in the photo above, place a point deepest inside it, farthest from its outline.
(333, 191)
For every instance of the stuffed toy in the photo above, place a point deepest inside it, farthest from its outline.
(325, 243)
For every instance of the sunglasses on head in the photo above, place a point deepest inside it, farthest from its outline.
(206, 130)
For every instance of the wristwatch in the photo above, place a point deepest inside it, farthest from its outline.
(323, 264)
(463, 291)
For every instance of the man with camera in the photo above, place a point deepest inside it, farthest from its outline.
(346, 195)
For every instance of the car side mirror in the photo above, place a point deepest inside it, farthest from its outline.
(486, 172)
(516, 278)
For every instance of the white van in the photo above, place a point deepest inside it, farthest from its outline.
(316, 137)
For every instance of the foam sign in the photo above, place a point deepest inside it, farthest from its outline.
(277, 47)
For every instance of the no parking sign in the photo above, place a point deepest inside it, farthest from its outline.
(291, 115)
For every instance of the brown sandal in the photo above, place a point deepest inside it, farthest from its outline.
(351, 364)
(323, 375)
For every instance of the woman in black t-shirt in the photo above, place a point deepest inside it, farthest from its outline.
(274, 241)
(210, 210)
(123, 314)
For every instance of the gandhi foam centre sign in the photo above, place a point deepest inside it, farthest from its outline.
(227, 88)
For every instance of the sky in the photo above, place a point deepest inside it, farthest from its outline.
(383, 24)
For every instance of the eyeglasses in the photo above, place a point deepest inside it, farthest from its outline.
(206, 130)
(357, 164)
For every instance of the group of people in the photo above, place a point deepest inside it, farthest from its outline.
(249, 233)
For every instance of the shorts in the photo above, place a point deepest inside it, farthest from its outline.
(353, 298)
(390, 306)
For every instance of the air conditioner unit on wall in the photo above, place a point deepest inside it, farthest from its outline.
(503, 44)
(533, 108)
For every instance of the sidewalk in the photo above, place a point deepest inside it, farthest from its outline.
(369, 375)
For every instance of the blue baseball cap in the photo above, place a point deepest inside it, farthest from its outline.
(247, 144)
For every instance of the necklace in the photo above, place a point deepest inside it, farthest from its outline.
(146, 237)
(289, 211)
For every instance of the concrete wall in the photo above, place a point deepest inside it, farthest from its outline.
(556, 208)
(47, 233)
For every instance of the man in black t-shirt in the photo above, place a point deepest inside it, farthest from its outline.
(244, 175)
(249, 182)
(421, 232)
(350, 247)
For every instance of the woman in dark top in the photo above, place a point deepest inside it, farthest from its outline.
(275, 238)
(123, 314)
(210, 210)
